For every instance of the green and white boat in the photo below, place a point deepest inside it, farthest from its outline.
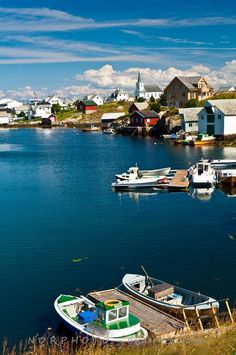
(108, 321)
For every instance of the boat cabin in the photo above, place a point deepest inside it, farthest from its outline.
(112, 311)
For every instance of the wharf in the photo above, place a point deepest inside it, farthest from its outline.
(155, 321)
(179, 181)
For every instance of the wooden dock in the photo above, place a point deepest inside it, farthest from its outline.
(179, 181)
(155, 321)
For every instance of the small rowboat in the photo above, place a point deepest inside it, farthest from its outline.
(108, 321)
(169, 298)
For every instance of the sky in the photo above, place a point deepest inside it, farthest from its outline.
(73, 48)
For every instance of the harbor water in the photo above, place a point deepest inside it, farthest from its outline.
(63, 229)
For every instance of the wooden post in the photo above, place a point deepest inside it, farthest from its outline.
(229, 311)
(186, 320)
(215, 315)
(199, 318)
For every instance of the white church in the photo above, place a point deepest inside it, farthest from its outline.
(147, 90)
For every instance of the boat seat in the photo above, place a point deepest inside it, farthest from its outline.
(160, 291)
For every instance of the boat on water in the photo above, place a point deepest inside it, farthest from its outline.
(140, 183)
(222, 163)
(136, 173)
(203, 139)
(203, 175)
(108, 321)
(92, 128)
(109, 131)
(227, 177)
(167, 297)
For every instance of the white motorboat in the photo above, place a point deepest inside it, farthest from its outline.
(222, 163)
(133, 184)
(109, 131)
(203, 175)
(108, 321)
(136, 173)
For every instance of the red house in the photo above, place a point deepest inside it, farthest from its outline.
(144, 118)
(86, 106)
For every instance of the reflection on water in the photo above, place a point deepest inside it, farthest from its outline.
(10, 147)
(203, 194)
(138, 194)
(230, 191)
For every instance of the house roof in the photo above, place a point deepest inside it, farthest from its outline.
(112, 115)
(88, 102)
(190, 114)
(147, 114)
(152, 88)
(190, 82)
(140, 105)
(227, 106)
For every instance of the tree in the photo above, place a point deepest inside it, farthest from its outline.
(56, 108)
(192, 103)
(156, 107)
(163, 100)
(152, 99)
(141, 99)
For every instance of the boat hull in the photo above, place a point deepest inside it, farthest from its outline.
(204, 308)
(230, 181)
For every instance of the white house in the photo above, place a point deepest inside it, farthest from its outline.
(118, 95)
(189, 119)
(5, 117)
(10, 104)
(218, 117)
(111, 117)
(41, 111)
(95, 98)
(53, 100)
(147, 90)
(226, 89)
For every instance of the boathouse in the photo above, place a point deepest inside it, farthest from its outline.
(86, 106)
(144, 118)
(138, 106)
(218, 118)
(189, 119)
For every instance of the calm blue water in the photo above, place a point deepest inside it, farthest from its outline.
(57, 205)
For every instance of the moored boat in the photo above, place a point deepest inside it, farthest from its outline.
(203, 139)
(169, 298)
(92, 128)
(136, 173)
(203, 175)
(222, 163)
(109, 131)
(108, 321)
(228, 177)
(140, 183)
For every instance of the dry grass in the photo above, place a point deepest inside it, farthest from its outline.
(214, 342)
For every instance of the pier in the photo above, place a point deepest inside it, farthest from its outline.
(179, 181)
(155, 321)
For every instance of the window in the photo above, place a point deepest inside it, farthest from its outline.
(202, 117)
(112, 315)
(183, 94)
(219, 117)
(100, 315)
(190, 124)
(122, 312)
(211, 118)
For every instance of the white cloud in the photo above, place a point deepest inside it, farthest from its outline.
(45, 20)
(105, 79)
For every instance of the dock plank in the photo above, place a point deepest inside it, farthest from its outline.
(152, 319)
(179, 181)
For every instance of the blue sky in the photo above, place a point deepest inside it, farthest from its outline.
(72, 48)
